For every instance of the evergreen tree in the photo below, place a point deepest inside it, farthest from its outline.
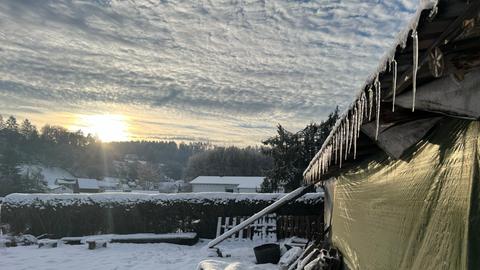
(292, 152)
(10, 178)
(11, 124)
(228, 161)
(28, 130)
(284, 150)
(2, 123)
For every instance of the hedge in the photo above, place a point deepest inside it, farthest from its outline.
(125, 213)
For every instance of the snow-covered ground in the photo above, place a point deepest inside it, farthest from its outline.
(131, 256)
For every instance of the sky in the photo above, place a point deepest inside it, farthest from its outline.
(226, 72)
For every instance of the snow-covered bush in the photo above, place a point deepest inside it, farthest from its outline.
(122, 213)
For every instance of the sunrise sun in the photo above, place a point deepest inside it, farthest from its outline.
(106, 127)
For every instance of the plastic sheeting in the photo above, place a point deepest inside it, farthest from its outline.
(420, 212)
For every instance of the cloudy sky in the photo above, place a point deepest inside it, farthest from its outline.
(223, 71)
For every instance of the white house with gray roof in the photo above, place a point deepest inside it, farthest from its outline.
(235, 184)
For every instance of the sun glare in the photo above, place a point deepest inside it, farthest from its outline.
(106, 127)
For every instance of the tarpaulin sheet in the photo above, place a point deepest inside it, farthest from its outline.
(421, 212)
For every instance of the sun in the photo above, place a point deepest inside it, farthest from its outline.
(106, 127)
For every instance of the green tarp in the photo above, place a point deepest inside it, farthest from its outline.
(421, 212)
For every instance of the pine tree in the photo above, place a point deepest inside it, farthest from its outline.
(2, 124)
(28, 130)
(292, 152)
(11, 124)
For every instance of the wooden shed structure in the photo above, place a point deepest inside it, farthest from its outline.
(401, 168)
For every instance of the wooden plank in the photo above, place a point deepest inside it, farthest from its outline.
(240, 234)
(219, 226)
(234, 223)
(227, 222)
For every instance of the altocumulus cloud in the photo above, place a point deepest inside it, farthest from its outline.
(239, 66)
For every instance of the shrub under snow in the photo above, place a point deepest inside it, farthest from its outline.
(124, 213)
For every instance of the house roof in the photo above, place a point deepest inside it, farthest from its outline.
(239, 181)
(86, 183)
(65, 181)
(50, 174)
(448, 27)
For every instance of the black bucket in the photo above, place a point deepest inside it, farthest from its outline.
(268, 253)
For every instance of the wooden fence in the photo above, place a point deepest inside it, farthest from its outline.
(301, 226)
(273, 227)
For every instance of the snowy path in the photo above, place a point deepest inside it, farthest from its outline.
(128, 256)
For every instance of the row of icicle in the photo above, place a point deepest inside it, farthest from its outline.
(343, 138)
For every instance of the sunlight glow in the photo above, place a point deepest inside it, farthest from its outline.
(106, 127)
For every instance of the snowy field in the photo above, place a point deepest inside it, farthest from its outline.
(131, 256)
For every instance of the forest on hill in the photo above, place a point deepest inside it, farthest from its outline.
(281, 158)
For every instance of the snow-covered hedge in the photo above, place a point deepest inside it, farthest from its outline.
(122, 213)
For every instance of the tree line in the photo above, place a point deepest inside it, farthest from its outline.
(281, 158)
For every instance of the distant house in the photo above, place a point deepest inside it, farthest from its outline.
(86, 185)
(172, 186)
(67, 183)
(50, 174)
(59, 189)
(235, 184)
(110, 183)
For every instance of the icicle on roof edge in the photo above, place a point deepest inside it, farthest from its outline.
(401, 40)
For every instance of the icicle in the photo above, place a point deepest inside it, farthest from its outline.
(324, 159)
(337, 138)
(370, 99)
(329, 156)
(323, 164)
(341, 144)
(415, 67)
(320, 167)
(334, 138)
(319, 172)
(347, 134)
(379, 100)
(355, 120)
(360, 114)
(394, 83)
(365, 105)
(352, 131)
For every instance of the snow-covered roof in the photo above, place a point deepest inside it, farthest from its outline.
(65, 181)
(347, 128)
(50, 174)
(239, 181)
(86, 183)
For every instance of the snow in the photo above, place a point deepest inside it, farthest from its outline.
(50, 174)
(87, 183)
(110, 237)
(240, 181)
(131, 256)
(290, 256)
(130, 198)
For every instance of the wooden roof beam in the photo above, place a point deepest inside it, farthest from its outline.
(470, 11)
